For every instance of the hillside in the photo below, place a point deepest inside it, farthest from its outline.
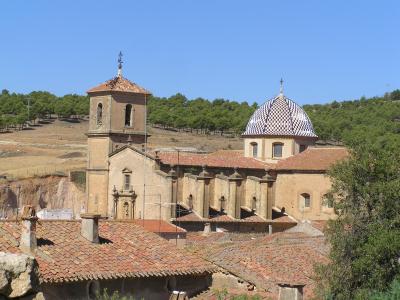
(374, 120)
(207, 125)
(61, 145)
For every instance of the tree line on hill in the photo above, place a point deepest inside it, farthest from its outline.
(18, 109)
(199, 114)
(175, 112)
(337, 121)
(347, 121)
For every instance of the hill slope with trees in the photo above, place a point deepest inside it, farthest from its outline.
(346, 121)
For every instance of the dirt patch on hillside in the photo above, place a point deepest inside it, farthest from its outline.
(61, 146)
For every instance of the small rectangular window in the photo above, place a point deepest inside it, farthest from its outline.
(277, 150)
(254, 149)
(302, 148)
(307, 202)
(127, 182)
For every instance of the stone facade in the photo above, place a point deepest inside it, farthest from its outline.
(290, 146)
(289, 190)
(125, 182)
(116, 119)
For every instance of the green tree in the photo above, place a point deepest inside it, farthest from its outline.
(365, 237)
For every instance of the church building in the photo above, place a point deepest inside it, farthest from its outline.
(280, 169)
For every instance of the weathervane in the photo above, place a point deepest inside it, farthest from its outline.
(120, 64)
(281, 90)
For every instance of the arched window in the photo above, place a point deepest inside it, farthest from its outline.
(93, 287)
(277, 149)
(254, 203)
(254, 149)
(126, 209)
(305, 200)
(222, 201)
(128, 115)
(99, 114)
(190, 201)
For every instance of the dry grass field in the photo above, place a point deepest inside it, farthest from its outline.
(60, 146)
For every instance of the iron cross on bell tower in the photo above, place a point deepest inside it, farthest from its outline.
(120, 64)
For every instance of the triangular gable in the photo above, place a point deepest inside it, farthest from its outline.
(131, 148)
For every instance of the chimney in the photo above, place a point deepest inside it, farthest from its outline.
(28, 241)
(207, 228)
(90, 227)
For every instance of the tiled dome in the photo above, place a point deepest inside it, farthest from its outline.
(280, 116)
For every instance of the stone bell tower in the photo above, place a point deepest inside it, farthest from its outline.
(117, 117)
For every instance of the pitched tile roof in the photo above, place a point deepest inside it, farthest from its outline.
(125, 250)
(191, 217)
(313, 159)
(267, 260)
(222, 159)
(158, 226)
(119, 84)
(284, 219)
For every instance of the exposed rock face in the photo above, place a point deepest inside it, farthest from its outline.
(19, 275)
(52, 192)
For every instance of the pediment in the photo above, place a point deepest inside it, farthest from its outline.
(126, 170)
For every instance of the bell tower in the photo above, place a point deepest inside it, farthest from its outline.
(117, 117)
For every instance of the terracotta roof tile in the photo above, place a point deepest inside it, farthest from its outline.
(192, 217)
(222, 218)
(255, 218)
(125, 250)
(284, 219)
(119, 84)
(319, 224)
(267, 260)
(159, 226)
(222, 159)
(313, 159)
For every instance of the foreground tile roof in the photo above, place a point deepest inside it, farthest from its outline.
(267, 260)
(313, 159)
(125, 250)
(119, 84)
(222, 159)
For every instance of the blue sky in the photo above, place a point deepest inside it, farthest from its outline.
(238, 50)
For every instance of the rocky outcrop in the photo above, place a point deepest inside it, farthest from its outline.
(19, 276)
(51, 192)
